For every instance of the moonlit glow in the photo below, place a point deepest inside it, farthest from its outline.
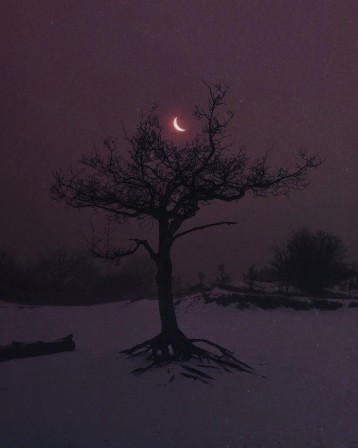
(177, 127)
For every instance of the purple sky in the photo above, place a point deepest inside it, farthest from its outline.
(71, 71)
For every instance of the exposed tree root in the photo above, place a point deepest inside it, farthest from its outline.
(177, 349)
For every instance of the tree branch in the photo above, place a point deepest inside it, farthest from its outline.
(147, 246)
(113, 255)
(107, 254)
(194, 229)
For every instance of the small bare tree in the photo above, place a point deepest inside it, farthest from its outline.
(251, 276)
(223, 278)
(168, 183)
(281, 264)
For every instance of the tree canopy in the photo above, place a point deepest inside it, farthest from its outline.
(157, 179)
(310, 260)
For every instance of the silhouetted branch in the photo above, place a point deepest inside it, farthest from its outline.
(114, 255)
(147, 246)
(107, 253)
(194, 229)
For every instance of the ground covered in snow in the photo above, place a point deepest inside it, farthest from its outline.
(88, 398)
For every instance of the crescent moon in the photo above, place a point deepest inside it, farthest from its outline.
(177, 127)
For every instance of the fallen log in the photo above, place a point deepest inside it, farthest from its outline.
(27, 349)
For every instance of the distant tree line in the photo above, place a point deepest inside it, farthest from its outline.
(307, 261)
(310, 261)
(65, 276)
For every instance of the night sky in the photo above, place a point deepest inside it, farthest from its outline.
(72, 70)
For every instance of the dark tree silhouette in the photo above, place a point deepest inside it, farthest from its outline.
(251, 276)
(310, 260)
(281, 264)
(223, 278)
(168, 183)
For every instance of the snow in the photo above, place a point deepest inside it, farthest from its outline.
(88, 398)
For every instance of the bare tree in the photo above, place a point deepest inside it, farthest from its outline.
(223, 278)
(281, 264)
(251, 276)
(202, 277)
(168, 183)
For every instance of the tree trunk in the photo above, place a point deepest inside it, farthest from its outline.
(169, 324)
(171, 345)
(171, 340)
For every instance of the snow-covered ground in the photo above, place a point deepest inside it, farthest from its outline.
(88, 398)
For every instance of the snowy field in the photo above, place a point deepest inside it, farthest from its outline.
(88, 398)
